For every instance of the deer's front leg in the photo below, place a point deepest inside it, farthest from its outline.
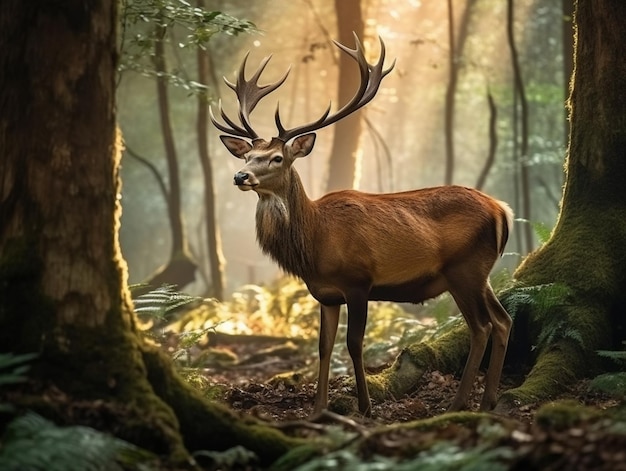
(328, 331)
(357, 318)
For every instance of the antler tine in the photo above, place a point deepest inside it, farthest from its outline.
(249, 93)
(282, 131)
(234, 129)
(371, 77)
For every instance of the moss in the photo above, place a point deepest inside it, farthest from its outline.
(555, 370)
(111, 383)
(465, 418)
(344, 404)
(209, 426)
(446, 352)
(566, 259)
(562, 415)
(397, 380)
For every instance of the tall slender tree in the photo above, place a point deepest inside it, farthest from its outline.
(180, 270)
(214, 245)
(343, 156)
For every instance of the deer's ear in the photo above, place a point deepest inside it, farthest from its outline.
(236, 146)
(303, 145)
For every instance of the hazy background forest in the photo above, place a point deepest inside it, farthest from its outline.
(403, 143)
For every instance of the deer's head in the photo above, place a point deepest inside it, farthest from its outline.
(268, 163)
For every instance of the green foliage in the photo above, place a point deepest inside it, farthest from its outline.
(613, 384)
(618, 357)
(283, 308)
(161, 302)
(443, 456)
(34, 443)
(545, 301)
(143, 23)
(13, 367)
(237, 457)
(559, 330)
(542, 231)
(542, 298)
(199, 23)
(13, 370)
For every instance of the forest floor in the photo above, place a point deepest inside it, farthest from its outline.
(275, 383)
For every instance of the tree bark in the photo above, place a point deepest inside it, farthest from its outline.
(63, 281)
(568, 297)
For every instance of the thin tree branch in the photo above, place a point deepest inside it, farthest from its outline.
(493, 142)
(155, 171)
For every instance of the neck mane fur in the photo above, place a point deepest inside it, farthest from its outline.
(284, 227)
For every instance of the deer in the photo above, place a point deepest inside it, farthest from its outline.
(351, 247)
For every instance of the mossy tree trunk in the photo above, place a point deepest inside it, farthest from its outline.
(568, 298)
(63, 281)
(586, 253)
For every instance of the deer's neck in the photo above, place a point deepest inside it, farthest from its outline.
(285, 223)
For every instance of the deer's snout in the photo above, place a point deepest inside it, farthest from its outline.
(240, 178)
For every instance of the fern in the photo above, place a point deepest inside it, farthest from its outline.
(618, 357)
(561, 330)
(13, 367)
(13, 370)
(162, 301)
(237, 457)
(34, 443)
(542, 231)
(443, 456)
(613, 384)
(543, 298)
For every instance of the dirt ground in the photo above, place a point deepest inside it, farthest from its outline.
(253, 388)
(276, 382)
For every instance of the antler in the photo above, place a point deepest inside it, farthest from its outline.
(371, 77)
(249, 93)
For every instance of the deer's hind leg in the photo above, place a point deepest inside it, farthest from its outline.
(501, 328)
(470, 289)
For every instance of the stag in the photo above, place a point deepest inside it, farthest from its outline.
(350, 247)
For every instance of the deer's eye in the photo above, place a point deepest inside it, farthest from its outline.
(277, 158)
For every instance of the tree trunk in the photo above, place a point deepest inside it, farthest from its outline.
(568, 298)
(586, 253)
(63, 281)
(214, 245)
(343, 155)
(567, 39)
(453, 74)
(522, 159)
(180, 269)
(456, 47)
